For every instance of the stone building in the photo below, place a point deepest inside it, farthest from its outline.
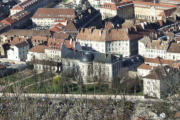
(149, 11)
(91, 65)
(124, 10)
(29, 5)
(18, 51)
(165, 49)
(48, 16)
(114, 41)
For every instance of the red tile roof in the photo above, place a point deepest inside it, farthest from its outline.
(159, 61)
(54, 13)
(15, 18)
(145, 66)
(174, 48)
(106, 35)
(17, 40)
(38, 49)
(40, 38)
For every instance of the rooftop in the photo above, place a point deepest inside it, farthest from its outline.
(145, 66)
(106, 35)
(38, 49)
(54, 13)
(159, 61)
(15, 18)
(87, 56)
(174, 48)
(27, 32)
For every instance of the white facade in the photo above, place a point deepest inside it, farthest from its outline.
(12, 11)
(173, 56)
(118, 47)
(53, 54)
(106, 13)
(44, 21)
(154, 87)
(29, 5)
(143, 72)
(89, 70)
(43, 67)
(48, 54)
(159, 51)
(18, 53)
(35, 55)
(151, 52)
(151, 87)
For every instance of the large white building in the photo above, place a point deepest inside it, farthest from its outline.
(36, 53)
(149, 11)
(151, 63)
(18, 51)
(155, 84)
(124, 10)
(48, 16)
(159, 48)
(114, 41)
(91, 65)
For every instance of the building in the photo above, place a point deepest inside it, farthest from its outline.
(90, 65)
(95, 3)
(29, 5)
(24, 33)
(51, 51)
(39, 40)
(46, 65)
(17, 20)
(66, 26)
(48, 16)
(155, 85)
(4, 27)
(173, 2)
(124, 10)
(155, 62)
(152, 63)
(148, 11)
(144, 70)
(18, 51)
(165, 49)
(173, 51)
(37, 53)
(114, 41)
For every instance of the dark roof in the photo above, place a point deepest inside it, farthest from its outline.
(88, 56)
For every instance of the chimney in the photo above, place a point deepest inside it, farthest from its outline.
(91, 30)
(100, 32)
(70, 41)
